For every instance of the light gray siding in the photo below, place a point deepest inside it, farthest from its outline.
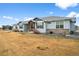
(41, 30)
(66, 24)
(72, 26)
(25, 27)
(51, 25)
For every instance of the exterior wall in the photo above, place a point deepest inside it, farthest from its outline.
(66, 24)
(52, 28)
(20, 29)
(58, 31)
(51, 25)
(25, 27)
(14, 27)
(20, 25)
(41, 30)
(72, 27)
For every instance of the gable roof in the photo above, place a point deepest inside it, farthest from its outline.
(54, 18)
(57, 18)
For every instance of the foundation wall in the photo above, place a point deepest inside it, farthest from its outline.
(58, 31)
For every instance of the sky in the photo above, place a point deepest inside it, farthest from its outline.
(11, 13)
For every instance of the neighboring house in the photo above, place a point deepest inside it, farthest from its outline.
(14, 27)
(21, 26)
(18, 27)
(51, 24)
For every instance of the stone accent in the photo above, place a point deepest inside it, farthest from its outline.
(58, 31)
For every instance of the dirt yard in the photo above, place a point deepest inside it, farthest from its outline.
(25, 44)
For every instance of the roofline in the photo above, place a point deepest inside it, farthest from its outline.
(68, 18)
(56, 16)
(55, 20)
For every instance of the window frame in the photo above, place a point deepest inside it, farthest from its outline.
(60, 25)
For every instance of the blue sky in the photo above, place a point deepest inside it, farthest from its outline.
(11, 13)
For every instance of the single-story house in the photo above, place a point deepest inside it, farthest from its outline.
(55, 24)
(14, 27)
(20, 26)
(24, 26)
(50, 24)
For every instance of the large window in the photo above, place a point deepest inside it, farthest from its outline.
(59, 24)
(39, 24)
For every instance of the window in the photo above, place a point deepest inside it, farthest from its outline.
(39, 24)
(59, 24)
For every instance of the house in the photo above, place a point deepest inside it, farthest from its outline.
(55, 24)
(23, 26)
(50, 24)
(14, 27)
(20, 26)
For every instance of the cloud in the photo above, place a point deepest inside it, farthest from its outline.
(10, 18)
(64, 4)
(7, 17)
(50, 12)
(16, 19)
(73, 14)
(27, 18)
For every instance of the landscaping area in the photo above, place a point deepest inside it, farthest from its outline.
(28, 44)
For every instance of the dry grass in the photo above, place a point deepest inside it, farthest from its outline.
(14, 43)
